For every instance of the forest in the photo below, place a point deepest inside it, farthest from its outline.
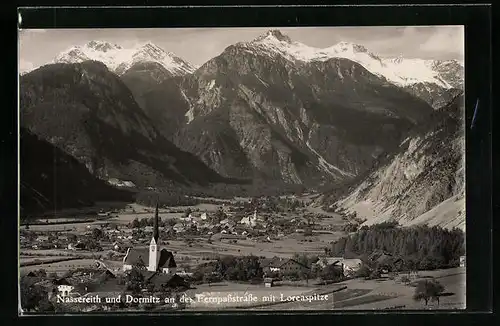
(422, 247)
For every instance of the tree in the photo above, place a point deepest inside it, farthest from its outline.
(134, 280)
(135, 223)
(34, 297)
(72, 237)
(405, 279)
(363, 271)
(331, 273)
(426, 290)
(97, 234)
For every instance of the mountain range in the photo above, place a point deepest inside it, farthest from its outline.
(269, 110)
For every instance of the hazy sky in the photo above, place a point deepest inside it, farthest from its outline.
(198, 45)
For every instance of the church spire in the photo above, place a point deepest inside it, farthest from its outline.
(156, 231)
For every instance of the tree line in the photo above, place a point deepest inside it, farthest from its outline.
(424, 247)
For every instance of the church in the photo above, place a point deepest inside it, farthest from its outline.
(154, 258)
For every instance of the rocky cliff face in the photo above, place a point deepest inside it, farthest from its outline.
(89, 113)
(262, 112)
(423, 182)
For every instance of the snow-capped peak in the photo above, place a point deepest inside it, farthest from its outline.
(274, 34)
(119, 59)
(399, 71)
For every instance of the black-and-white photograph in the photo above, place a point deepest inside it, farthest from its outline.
(241, 169)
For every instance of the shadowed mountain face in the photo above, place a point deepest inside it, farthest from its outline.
(89, 113)
(52, 179)
(249, 113)
(423, 182)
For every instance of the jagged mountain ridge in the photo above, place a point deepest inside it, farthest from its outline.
(424, 182)
(399, 71)
(119, 59)
(291, 120)
(87, 111)
(52, 179)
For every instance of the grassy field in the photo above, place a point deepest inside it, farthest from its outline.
(383, 294)
(225, 289)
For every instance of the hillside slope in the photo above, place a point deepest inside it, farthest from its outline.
(424, 182)
(52, 179)
(87, 111)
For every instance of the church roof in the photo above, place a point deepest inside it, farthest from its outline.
(135, 255)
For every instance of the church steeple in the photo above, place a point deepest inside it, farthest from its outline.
(153, 246)
(156, 231)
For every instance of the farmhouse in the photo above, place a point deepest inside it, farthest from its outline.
(161, 280)
(153, 258)
(282, 265)
(327, 261)
(349, 266)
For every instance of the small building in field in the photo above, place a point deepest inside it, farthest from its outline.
(268, 282)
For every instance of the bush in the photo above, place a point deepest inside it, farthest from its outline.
(427, 290)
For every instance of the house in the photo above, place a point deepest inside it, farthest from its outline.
(160, 280)
(153, 258)
(327, 261)
(64, 290)
(349, 266)
(282, 266)
(462, 261)
(80, 246)
(203, 216)
(268, 282)
(179, 227)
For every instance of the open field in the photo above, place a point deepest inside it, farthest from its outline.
(262, 295)
(363, 294)
(61, 267)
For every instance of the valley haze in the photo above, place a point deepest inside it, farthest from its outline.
(188, 167)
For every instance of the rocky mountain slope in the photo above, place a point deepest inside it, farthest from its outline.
(260, 110)
(52, 179)
(89, 113)
(423, 182)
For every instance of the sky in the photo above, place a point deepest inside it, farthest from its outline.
(198, 45)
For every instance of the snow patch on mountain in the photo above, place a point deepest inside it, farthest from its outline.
(119, 59)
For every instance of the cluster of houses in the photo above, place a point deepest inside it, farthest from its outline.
(283, 266)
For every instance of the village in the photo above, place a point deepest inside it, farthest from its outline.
(266, 246)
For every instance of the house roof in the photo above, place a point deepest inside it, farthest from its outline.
(159, 279)
(61, 281)
(278, 262)
(136, 255)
